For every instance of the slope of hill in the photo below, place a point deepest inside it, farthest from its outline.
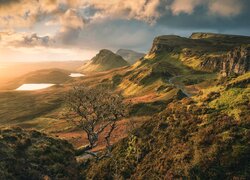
(172, 56)
(54, 76)
(191, 96)
(204, 137)
(129, 55)
(11, 70)
(103, 61)
(33, 155)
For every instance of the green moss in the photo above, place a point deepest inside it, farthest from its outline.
(232, 101)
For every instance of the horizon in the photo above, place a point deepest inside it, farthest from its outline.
(65, 30)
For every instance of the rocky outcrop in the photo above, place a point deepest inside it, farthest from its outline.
(165, 44)
(237, 61)
(228, 54)
(212, 64)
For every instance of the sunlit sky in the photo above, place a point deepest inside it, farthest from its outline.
(42, 30)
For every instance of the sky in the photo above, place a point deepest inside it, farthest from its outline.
(53, 30)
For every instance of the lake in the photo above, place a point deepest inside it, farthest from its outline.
(33, 87)
(74, 75)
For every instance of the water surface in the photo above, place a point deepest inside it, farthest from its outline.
(33, 87)
(76, 75)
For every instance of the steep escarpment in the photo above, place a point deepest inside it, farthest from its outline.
(103, 61)
(207, 51)
(237, 61)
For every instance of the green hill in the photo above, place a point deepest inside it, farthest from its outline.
(54, 76)
(203, 137)
(103, 61)
(179, 56)
(188, 119)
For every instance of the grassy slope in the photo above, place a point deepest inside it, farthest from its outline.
(13, 70)
(33, 155)
(103, 61)
(23, 106)
(189, 139)
(54, 76)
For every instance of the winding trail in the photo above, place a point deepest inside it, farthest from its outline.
(178, 86)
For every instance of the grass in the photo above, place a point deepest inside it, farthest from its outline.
(16, 107)
(233, 101)
(33, 155)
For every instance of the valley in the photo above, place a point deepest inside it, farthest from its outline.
(188, 108)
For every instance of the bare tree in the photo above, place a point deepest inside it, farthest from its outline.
(95, 111)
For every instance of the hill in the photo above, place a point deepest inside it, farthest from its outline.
(12, 70)
(53, 76)
(129, 55)
(103, 61)
(198, 59)
(188, 117)
(203, 137)
(34, 155)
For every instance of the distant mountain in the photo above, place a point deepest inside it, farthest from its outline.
(129, 55)
(103, 61)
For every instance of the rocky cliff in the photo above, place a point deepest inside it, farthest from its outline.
(210, 52)
(237, 61)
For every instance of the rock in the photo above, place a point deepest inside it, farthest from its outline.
(237, 61)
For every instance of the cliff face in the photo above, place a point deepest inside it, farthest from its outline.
(237, 61)
(168, 43)
(227, 54)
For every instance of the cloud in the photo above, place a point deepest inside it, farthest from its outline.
(71, 25)
(144, 10)
(226, 8)
(223, 8)
(14, 39)
(188, 6)
(96, 24)
(24, 13)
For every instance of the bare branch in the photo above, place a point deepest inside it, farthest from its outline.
(94, 110)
